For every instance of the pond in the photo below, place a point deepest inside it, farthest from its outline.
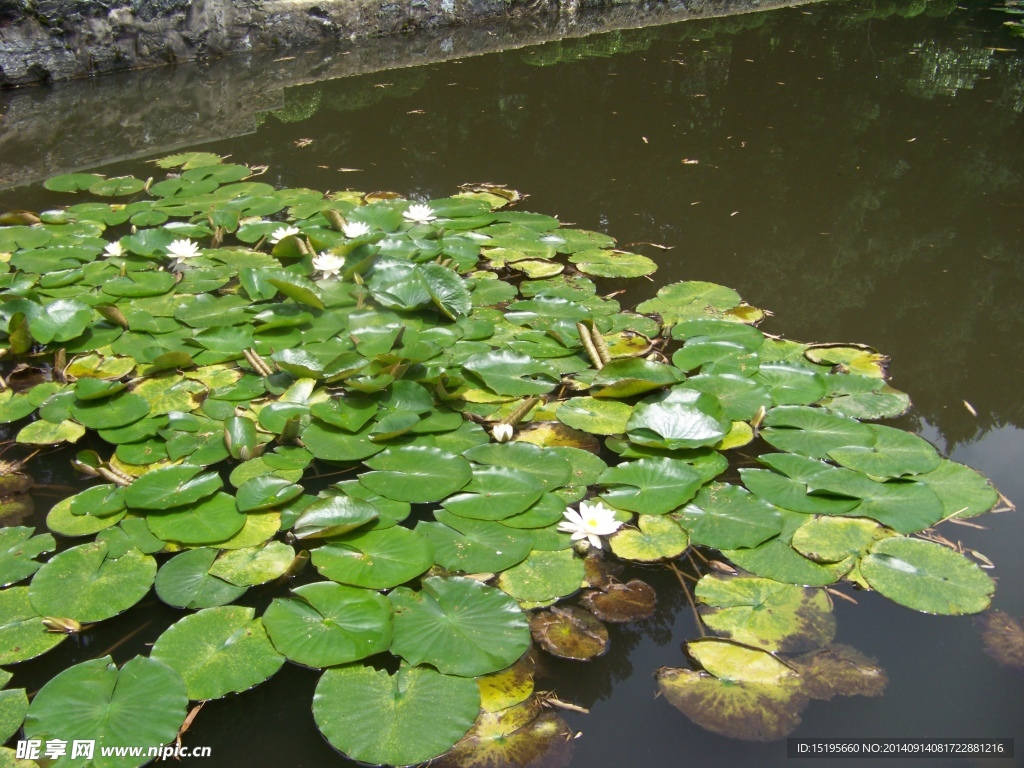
(854, 167)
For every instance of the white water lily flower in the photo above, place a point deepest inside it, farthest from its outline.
(355, 228)
(281, 233)
(328, 264)
(592, 522)
(419, 213)
(502, 433)
(182, 250)
(114, 249)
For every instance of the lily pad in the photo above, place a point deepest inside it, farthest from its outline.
(13, 707)
(327, 624)
(832, 539)
(839, 670)
(650, 486)
(23, 635)
(598, 417)
(416, 474)
(766, 614)
(333, 516)
(218, 651)
(509, 373)
(904, 506)
(792, 494)
(515, 736)
(185, 581)
(171, 487)
(474, 546)
(547, 466)
(621, 603)
(813, 432)
(570, 632)
(895, 453)
(612, 263)
(693, 300)
(208, 521)
(119, 410)
(689, 420)
(726, 516)
(95, 700)
(963, 492)
(511, 686)
(409, 717)
(375, 559)
(657, 538)
(926, 576)
(82, 583)
(18, 548)
(495, 493)
(544, 576)
(633, 376)
(459, 626)
(250, 566)
(1003, 638)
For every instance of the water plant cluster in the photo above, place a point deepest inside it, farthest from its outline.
(431, 409)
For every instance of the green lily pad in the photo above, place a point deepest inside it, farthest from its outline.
(791, 384)
(95, 700)
(726, 516)
(474, 546)
(495, 493)
(650, 486)
(544, 576)
(687, 419)
(657, 538)
(719, 330)
(598, 417)
(119, 410)
(61, 320)
(401, 719)
(740, 398)
(833, 539)
(926, 576)
(265, 492)
(99, 500)
(792, 494)
(508, 373)
(327, 624)
(904, 506)
(45, 433)
(963, 492)
(82, 583)
(543, 464)
(416, 474)
(22, 633)
(569, 632)
(766, 614)
(336, 444)
(207, 521)
(612, 263)
(693, 300)
(62, 521)
(633, 376)
(895, 453)
(375, 559)
(333, 516)
(218, 651)
(813, 432)
(250, 566)
(18, 548)
(185, 581)
(13, 708)
(459, 626)
(777, 560)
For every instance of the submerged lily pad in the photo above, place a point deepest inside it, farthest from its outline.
(521, 735)
(1003, 638)
(839, 670)
(570, 632)
(409, 717)
(621, 603)
(459, 626)
(766, 614)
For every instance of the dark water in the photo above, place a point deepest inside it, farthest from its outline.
(859, 171)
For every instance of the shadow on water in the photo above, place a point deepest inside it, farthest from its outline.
(855, 167)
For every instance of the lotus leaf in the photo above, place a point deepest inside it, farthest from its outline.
(375, 559)
(409, 717)
(926, 576)
(84, 584)
(612, 263)
(46, 433)
(327, 624)
(95, 700)
(185, 581)
(218, 651)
